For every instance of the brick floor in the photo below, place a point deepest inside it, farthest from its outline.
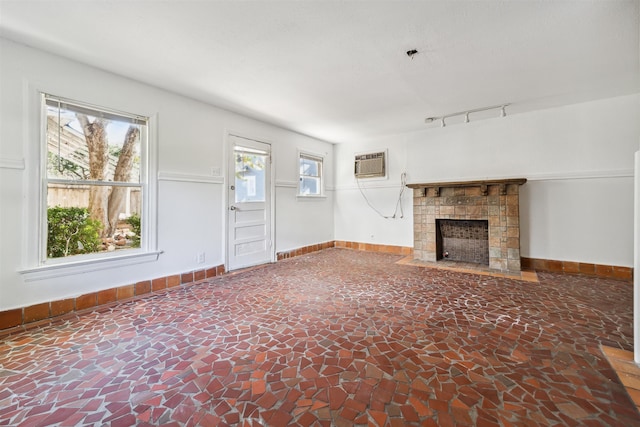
(337, 337)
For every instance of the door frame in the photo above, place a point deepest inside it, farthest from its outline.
(227, 152)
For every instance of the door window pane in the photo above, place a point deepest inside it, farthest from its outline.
(250, 177)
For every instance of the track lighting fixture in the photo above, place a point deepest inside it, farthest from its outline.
(502, 108)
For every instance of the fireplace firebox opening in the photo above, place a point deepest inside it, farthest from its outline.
(462, 240)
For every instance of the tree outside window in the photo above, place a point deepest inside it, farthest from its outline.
(93, 179)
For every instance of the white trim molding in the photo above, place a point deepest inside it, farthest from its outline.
(184, 177)
(88, 265)
(7, 163)
(619, 173)
(368, 185)
(286, 184)
(560, 176)
(300, 197)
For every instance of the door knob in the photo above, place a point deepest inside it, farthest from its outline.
(233, 208)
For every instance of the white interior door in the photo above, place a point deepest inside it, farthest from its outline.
(249, 203)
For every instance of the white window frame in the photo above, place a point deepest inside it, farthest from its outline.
(37, 265)
(315, 157)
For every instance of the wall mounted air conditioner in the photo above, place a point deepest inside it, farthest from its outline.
(370, 165)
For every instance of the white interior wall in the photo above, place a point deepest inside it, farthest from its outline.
(191, 202)
(355, 219)
(302, 221)
(576, 206)
(582, 220)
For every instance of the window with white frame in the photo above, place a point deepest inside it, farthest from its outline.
(310, 175)
(95, 181)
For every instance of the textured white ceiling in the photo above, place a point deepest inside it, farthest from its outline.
(337, 70)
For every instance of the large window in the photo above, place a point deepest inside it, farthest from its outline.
(95, 179)
(310, 175)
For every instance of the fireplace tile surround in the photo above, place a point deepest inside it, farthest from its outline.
(496, 201)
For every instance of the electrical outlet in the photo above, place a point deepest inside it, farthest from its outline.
(200, 258)
(215, 171)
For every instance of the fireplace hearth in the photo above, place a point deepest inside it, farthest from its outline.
(449, 218)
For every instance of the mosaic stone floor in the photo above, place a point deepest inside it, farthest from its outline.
(338, 338)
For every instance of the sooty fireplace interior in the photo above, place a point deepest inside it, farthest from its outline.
(463, 240)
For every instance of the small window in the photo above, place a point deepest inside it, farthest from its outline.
(310, 175)
(95, 180)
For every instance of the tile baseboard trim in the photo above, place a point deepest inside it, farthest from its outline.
(369, 247)
(598, 270)
(372, 247)
(304, 250)
(22, 319)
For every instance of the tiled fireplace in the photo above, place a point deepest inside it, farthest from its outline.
(465, 206)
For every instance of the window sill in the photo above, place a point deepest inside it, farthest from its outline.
(87, 265)
(310, 197)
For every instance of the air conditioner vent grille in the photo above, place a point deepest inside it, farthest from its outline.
(370, 165)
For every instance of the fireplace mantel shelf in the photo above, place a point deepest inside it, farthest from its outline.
(483, 184)
(444, 184)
